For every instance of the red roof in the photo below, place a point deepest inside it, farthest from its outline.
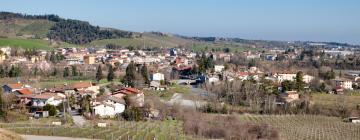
(80, 85)
(15, 86)
(24, 91)
(127, 91)
(243, 73)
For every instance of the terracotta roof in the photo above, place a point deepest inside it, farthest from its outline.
(24, 91)
(81, 85)
(127, 91)
(15, 86)
(46, 96)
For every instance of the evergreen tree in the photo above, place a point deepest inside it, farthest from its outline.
(2, 72)
(54, 73)
(299, 81)
(36, 71)
(99, 74)
(145, 74)
(129, 78)
(110, 75)
(66, 72)
(74, 71)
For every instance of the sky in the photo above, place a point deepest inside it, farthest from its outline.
(287, 20)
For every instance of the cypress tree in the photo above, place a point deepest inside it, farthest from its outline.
(99, 74)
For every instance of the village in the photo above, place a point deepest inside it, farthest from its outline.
(164, 68)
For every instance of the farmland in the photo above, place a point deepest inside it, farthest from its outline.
(165, 130)
(307, 127)
(333, 100)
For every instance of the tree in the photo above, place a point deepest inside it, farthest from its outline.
(85, 104)
(99, 74)
(2, 72)
(74, 71)
(145, 74)
(2, 104)
(110, 75)
(51, 109)
(54, 73)
(287, 85)
(130, 75)
(36, 71)
(299, 81)
(66, 72)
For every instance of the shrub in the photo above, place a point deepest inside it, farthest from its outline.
(51, 109)
(132, 114)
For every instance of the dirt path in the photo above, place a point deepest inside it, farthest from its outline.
(33, 137)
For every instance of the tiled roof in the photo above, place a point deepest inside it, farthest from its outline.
(24, 91)
(80, 85)
(15, 86)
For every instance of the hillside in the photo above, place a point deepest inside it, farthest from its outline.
(25, 28)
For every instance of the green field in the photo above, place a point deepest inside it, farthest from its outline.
(307, 127)
(24, 43)
(122, 130)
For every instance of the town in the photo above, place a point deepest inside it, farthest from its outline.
(106, 83)
(179, 70)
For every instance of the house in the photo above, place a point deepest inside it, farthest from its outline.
(135, 97)
(213, 79)
(156, 85)
(40, 100)
(291, 77)
(9, 88)
(219, 68)
(157, 77)
(289, 96)
(85, 86)
(24, 91)
(109, 107)
(89, 59)
(343, 83)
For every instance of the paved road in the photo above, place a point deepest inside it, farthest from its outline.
(33, 137)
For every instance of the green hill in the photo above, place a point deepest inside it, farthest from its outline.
(26, 28)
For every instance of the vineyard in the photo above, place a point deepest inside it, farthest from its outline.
(165, 130)
(308, 127)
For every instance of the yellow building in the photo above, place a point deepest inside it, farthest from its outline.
(89, 59)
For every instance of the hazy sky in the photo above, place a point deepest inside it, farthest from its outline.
(316, 20)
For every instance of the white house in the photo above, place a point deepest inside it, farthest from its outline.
(291, 77)
(345, 84)
(157, 77)
(213, 79)
(219, 68)
(110, 107)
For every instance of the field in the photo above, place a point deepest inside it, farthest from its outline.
(308, 127)
(149, 40)
(149, 130)
(7, 135)
(332, 100)
(24, 43)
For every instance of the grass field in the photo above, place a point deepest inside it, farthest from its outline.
(149, 130)
(24, 43)
(7, 135)
(308, 127)
(332, 100)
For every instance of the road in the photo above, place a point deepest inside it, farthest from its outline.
(33, 137)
